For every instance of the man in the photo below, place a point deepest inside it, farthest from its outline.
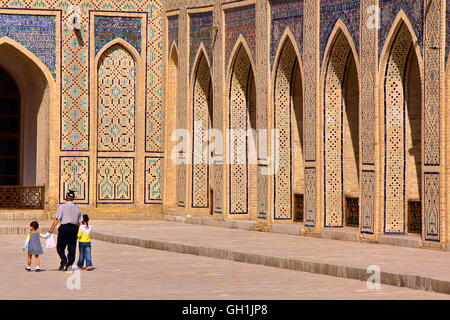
(69, 215)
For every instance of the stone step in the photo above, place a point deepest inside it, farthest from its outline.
(24, 215)
(408, 280)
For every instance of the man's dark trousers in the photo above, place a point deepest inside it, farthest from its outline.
(67, 237)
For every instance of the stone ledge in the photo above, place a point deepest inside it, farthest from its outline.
(240, 224)
(340, 234)
(407, 280)
(292, 229)
(24, 215)
(401, 241)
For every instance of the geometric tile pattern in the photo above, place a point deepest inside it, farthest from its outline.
(181, 183)
(74, 175)
(199, 33)
(153, 179)
(115, 180)
(172, 28)
(238, 168)
(218, 111)
(311, 72)
(201, 124)
(283, 110)
(432, 206)
(432, 115)
(333, 131)
(310, 197)
(447, 50)
(432, 78)
(154, 113)
(310, 46)
(109, 28)
(75, 96)
(369, 59)
(395, 152)
(367, 202)
(369, 63)
(240, 20)
(116, 100)
(37, 33)
(285, 13)
(332, 10)
(389, 10)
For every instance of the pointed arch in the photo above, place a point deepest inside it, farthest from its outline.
(173, 50)
(400, 20)
(6, 41)
(288, 35)
(38, 93)
(401, 70)
(339, 28)
(201, 122)
(242, 117)
(201, 53)
(116, 97)
(340, 77)
(241, 44)
(288, 120)
(119, 41)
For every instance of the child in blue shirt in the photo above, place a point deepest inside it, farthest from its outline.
(33, 244)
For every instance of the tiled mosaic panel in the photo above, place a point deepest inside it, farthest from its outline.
(74, 69)
(153, 179)
(181, 185)
(75, 97)
(367, 202)
(199, 33)
(310, 71)
(240, 20)
(37, 33)
(332, 10)
(115, 180)
(172, 28)
(394, 133)
(389, 11)
(263, 188)
(218, 179)
(218, 123)
(74, 175)
(368, 56)
(238, 168)
(432, 93)
(116, 100)
(285, 13)
(155, 113)
(107, 29)
(448, 31)
(182, 116)
(368, 60)
(201, 124)
(310, 57)
(283, 110)
(333, 131)
(432, 206)
(310, 197)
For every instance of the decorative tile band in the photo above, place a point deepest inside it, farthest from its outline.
(74, 175)
(110, 28)
(115, 180)
(37, 33)
(153, 180)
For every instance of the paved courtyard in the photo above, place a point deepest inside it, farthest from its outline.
(127, 272)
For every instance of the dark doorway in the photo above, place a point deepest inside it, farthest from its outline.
(9, 130)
